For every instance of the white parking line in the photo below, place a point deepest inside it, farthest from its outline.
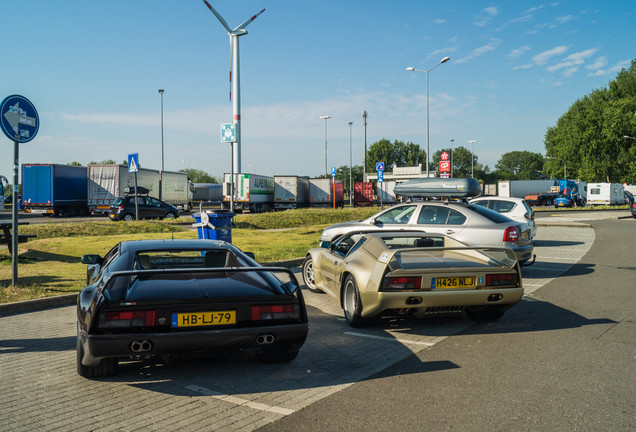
(239, 401)
(403, 341)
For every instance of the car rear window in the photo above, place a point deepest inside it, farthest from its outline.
(118, 201)
(491, 215)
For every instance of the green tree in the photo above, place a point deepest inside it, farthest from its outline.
(520, 165)
(342, 173)
(200, 176)
(74, 163)
(104, 162)
(397, 153)
(590, 137)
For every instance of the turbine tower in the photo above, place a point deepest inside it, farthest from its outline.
(235, 85)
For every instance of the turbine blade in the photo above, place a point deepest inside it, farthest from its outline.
(227, 27)
(249, 20)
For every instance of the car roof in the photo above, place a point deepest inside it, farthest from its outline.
(498, 198)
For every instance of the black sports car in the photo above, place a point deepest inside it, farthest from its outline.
(160, 297)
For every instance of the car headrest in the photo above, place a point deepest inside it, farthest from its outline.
(215, 258)
(424, 242)
(144, 262)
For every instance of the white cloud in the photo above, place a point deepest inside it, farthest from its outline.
(442, 51)
(525, 66)
(565, 19)
(486, 16)
(518, 52)
(614, 69)
(479, 51)
(439, 21)
(599, 63)
(573, 60)
(543, 57)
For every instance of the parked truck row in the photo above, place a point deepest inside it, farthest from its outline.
(70, 190)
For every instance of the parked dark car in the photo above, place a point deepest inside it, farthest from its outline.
(123, 208)
(151, 298)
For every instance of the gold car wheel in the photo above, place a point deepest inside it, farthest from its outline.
(308, 275)
(351, 302)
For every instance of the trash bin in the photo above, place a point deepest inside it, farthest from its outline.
(214, 225)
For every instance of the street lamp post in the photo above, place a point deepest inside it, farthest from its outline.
(411, 69)
(350, 167)
(565, 170)
(364, 123)
(452, 150)
(325, 118)
(162, 160)
(472, 159)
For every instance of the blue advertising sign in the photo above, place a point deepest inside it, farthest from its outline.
(133, 162)
(19, 119)
(379, 166)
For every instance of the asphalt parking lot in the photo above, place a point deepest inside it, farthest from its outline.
(41, 390)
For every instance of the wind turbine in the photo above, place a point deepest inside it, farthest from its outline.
(235, 85)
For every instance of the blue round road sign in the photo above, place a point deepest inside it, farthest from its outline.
(19, 119)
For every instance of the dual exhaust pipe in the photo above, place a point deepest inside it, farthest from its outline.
(141, 346)
(265, 339)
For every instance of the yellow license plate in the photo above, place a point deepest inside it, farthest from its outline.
(454, 282)
(203, 318)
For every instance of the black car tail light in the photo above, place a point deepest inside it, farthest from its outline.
(511, 235)
(493, 280)
(127, 319)
(402, 283)
(275, 312)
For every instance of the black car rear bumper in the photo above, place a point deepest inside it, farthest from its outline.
(99, 346)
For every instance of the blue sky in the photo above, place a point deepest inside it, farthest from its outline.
(93, 70)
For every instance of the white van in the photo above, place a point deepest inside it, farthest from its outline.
(605, 194)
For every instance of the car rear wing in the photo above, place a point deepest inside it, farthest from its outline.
(503, 255)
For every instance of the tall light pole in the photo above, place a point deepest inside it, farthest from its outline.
(325, 118)
(364, 123)
(472, 159)
(411, 69)
(452, 150)
(162, 160)
(350, 167)
(565, 171)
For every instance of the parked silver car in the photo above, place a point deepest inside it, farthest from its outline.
(471, 224)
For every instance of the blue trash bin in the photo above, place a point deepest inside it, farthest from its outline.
(214, 225)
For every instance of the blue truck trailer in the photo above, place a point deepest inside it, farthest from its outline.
(54, 189)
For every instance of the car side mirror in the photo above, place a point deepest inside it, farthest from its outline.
(251, 255)
(91, 259)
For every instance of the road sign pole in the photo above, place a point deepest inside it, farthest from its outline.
(14, 217)
(136, 201)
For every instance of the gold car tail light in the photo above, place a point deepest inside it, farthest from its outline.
(402, 283)
(493, 280)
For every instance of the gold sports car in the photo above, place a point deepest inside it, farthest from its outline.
(372, 273)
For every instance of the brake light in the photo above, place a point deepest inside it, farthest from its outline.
(273, 312)
(511, 235)
(501, 279)
(127, 319)
(402, 283)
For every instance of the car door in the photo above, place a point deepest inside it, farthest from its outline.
(441, 219)
(331, 263)
(155, 209)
